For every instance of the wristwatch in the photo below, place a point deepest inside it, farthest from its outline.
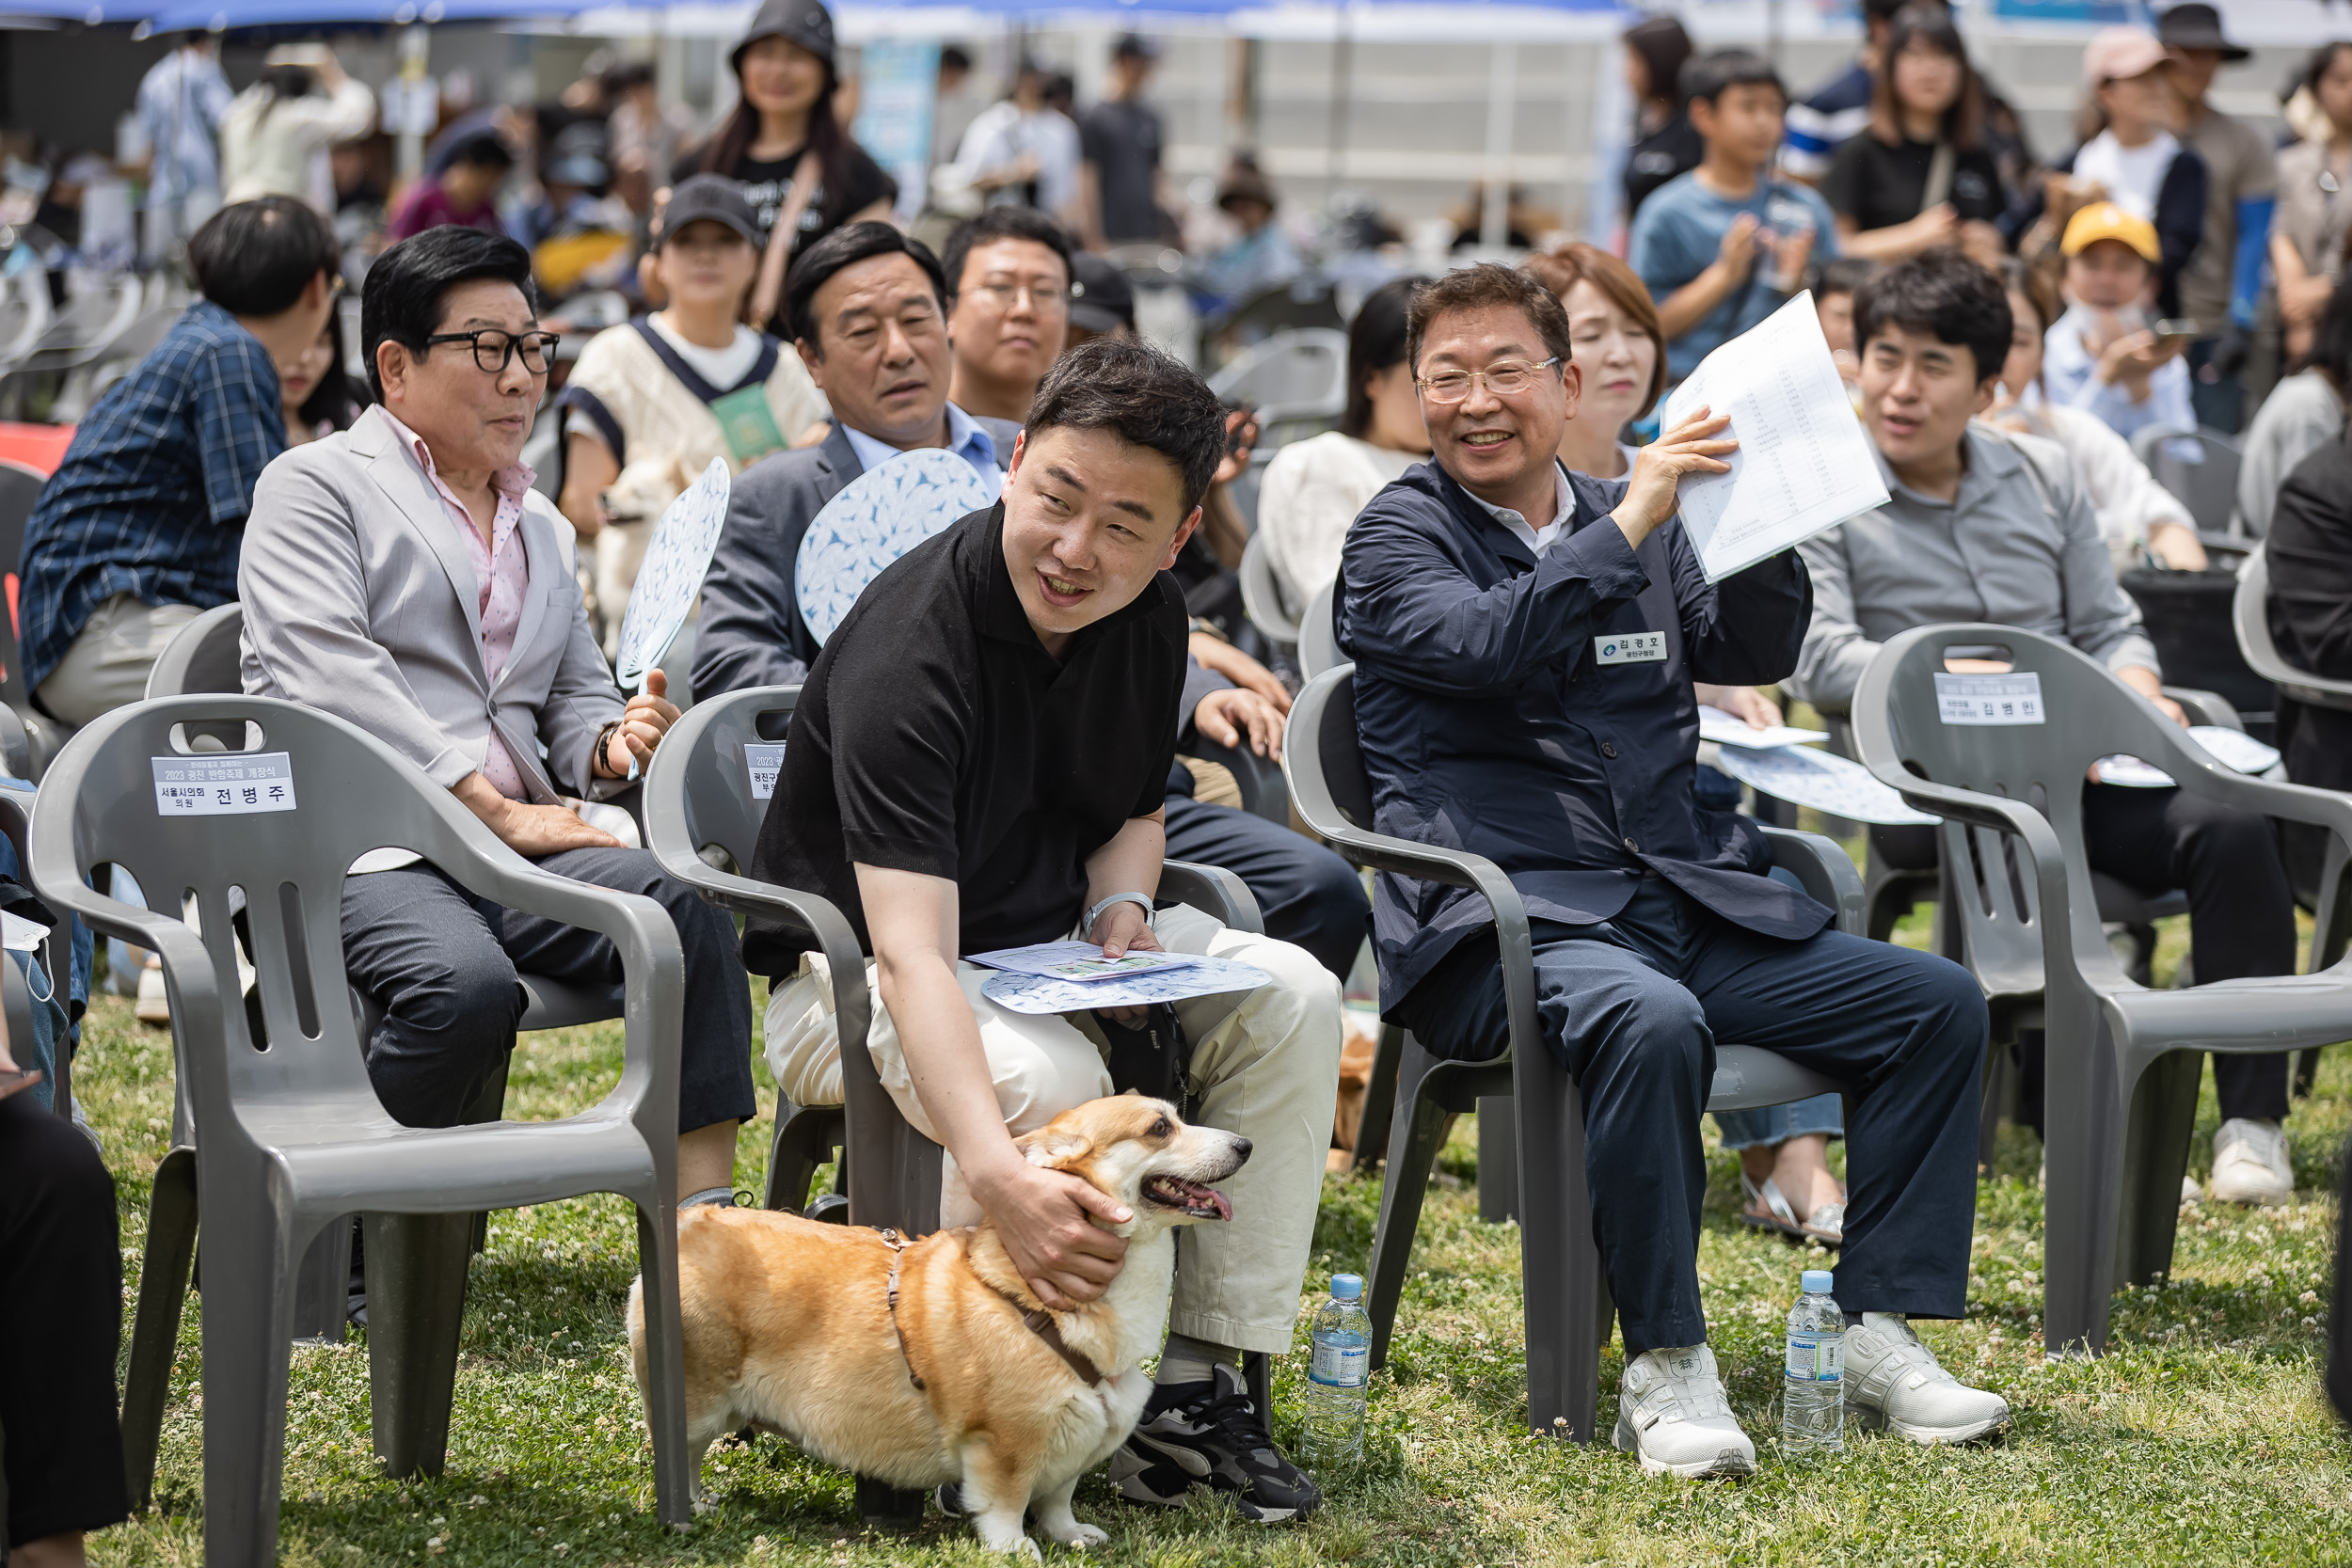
(1096, 913)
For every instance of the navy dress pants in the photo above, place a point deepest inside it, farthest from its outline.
(441, 964)
(1634, 1007)
(1308, 895)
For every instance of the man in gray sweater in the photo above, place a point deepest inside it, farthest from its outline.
(1981, 525)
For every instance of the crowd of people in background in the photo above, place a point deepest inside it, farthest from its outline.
(2006, 327)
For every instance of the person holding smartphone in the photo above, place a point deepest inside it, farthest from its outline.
(2105, 356)
(60, 1290)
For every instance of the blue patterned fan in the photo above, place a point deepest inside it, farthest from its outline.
(878, 518)
(672, 573)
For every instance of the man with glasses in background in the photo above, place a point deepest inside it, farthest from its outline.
(404, 577)
(1525, 641)
(1008, 309)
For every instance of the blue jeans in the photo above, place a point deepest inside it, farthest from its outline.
(1632, 1007)
(1774, 1125)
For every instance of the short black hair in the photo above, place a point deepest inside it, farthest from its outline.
(1491, 283)
(401, 301)
(1707, 77)
(1842, 275)
(487, 149)
(2331, 353)
(1000, 223)
(255, 257)
(1141, 395)
(845, 247)
(953, 57)
(1375, 341)
(1945, 293)
(1885, 10)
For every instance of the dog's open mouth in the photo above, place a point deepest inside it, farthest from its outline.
(1201, 1203)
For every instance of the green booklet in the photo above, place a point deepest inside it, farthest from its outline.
(749, 424)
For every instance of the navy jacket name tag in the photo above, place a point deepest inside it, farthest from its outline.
(1629, 647)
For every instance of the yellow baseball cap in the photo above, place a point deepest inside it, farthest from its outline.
(2105, 220)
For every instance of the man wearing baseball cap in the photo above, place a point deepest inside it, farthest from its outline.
(1101, 301)
(2223, 281)
(2103, 356)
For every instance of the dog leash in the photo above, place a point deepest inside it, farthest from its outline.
(1037, 1321)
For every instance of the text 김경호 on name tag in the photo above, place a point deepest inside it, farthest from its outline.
(2014, 699)
(1629, 647)
(224, 786)
(761, 764)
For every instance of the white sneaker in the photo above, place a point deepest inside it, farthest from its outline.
(154, 1004)
(2190, 1190)
(1892, 1380)
(2249, 1164)
(1672, 1411)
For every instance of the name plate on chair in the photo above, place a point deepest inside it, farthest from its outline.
(762, 764)
(2010, 698)
(224, 786)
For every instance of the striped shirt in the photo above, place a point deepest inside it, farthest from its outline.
(152, 494)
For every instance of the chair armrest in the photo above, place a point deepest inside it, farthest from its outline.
(2206, 707)
(1212, 890)
(1826, 871)
(806, 912)
(16, 745)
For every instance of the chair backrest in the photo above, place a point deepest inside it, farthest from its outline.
(1324, 759)
(2200, 467)
(25, 313)
(2250, 619)
(204, 657)
(1902, 726)
(1261, 598)
(1297, 375)
(715, 803)
(1319, 632)
(346, 793)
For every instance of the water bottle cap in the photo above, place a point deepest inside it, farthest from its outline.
(1348, 1287)
(1817, 1282)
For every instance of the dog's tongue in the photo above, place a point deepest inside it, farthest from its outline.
(1217, 1200)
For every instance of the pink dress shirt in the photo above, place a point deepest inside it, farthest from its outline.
(501, 575)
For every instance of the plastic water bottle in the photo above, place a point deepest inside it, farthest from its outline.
(1813, 1394)
(1341, 1362)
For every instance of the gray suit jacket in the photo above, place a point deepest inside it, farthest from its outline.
(752, 633)
(360, 600)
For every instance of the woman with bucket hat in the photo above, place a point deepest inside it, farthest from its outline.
(799, 169)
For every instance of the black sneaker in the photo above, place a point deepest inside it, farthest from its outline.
(1210, 1432)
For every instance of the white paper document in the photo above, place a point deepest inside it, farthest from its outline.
(2232, 748)
(1201, 976)
(1725, 730)
(1080, 961)
(1828, 782)
(1803, 465)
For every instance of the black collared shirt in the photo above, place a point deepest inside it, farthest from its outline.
(936, 735)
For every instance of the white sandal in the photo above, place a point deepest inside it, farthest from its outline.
(1780, 1218)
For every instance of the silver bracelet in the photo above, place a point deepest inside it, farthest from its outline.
(1095, 913)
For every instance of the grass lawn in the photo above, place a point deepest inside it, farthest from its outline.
(2202, 1437)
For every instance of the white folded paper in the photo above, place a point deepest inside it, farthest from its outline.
(1202, 977)
(1725, 730)
(2232, 748)
(1822, 780)
(1803, 464)
(1081, 962)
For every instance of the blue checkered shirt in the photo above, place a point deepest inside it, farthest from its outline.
(152, 494)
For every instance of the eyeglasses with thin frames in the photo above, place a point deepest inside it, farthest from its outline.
(1507, 379)
(493, 349)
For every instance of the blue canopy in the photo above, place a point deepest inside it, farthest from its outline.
(221, 15)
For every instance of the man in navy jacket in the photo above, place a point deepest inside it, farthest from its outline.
(1525, 641)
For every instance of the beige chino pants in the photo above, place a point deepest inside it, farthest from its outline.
(1265, 1064)
(107, 667)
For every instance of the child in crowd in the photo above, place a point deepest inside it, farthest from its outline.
(1834, 286)
(1725, 245)
(2103, 356)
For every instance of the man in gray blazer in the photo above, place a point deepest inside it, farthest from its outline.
(870, 309)
(404, 577)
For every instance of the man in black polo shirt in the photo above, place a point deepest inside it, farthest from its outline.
(978, 761)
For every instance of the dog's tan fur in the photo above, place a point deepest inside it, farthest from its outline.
(787, 1328)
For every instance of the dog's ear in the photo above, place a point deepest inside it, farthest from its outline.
(1054, 1150)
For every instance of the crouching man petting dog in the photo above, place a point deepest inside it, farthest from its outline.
(976, 761)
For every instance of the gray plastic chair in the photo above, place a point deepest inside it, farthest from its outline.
(702, 814)
(20, 488)
(2250, 618)
(1563, 1293)
(1261, 597)
(1319, 633)
(2200, 467)
(2124, 1073)
(206, 655)
(285, 1140)
(16, 997)
(1292, 375)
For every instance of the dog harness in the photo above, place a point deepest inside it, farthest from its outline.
(1038, 1321)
